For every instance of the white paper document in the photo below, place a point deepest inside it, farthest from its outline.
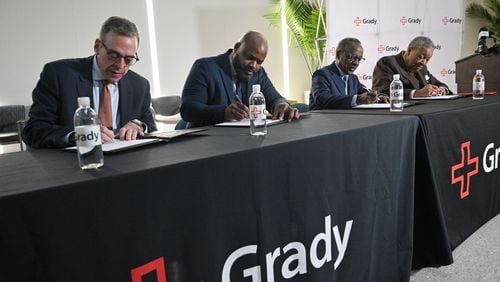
(119, 145)
(379, 106)
(444, 97)
(246, 123)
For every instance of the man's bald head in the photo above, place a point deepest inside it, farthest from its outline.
(253, 40)
(249, 53)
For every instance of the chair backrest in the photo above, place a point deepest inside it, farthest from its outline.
(166, 105)
(9, 115)
(181, 124)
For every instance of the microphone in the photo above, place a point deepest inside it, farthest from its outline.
(481, 45)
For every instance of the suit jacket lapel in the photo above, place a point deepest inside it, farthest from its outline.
(84, 88)
(225, 74)
(337, 79)
(411, 78)
(125, 102)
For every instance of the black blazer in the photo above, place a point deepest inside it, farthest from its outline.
(55, 101)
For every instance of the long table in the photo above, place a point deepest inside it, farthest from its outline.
(326, 198)
(457, 175)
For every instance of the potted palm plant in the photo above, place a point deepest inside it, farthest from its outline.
(306, 23)
(489, 12)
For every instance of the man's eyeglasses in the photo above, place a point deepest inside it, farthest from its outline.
(354, 58)
(115, 56)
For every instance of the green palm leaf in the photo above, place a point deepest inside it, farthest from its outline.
(307, 26)
(489, 12)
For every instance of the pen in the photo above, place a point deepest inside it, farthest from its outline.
(238, 98)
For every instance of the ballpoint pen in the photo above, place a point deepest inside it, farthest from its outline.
(238, 98)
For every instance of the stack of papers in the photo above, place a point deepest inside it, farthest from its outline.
(153, 137)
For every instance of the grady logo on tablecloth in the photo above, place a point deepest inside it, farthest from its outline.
(296, 253)
(469, 166)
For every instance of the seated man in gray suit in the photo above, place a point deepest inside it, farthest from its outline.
(217, 88)
(120, 96)
(335, 86)
(411, 65)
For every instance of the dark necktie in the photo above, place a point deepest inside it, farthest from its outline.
(345, 78)
(239, 92)
(105, 111)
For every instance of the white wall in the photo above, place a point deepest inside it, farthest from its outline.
(36, 32)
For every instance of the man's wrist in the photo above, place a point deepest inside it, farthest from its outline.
(139, 123)
(72, 138)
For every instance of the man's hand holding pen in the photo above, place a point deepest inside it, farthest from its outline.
(236, 110)
(370, 97)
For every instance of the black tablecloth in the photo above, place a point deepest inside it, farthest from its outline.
(449, 127)
(285, 203)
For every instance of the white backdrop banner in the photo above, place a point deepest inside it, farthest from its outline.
(385, 27)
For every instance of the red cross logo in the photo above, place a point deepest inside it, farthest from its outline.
(464, 178)
(332, 51)
(255, 112)
(157, 265)
(445, 20)
(444, 72)
(360, 76)
(357, 21)
(381, 48)
(403, 20)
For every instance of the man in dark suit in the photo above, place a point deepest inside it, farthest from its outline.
(335, 86)
(217, 88)
(122, 96)
(411, 65)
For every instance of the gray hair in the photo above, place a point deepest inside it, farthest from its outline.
(120, 26)
(421, 41)
(347, 45)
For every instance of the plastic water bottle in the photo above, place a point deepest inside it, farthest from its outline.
(87, 135)
(257, 105)
(396, 94)
(478, 86)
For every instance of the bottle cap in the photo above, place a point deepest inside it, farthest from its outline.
(479, 71)
(83, 101)
(395, 76)
(256, 88)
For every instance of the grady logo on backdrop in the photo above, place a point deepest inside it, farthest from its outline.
(382, 48)
(444, 72)
(446, 20)
(357, 21)
(364, 77)
(332, 51)
(405, 21)
(469, 166)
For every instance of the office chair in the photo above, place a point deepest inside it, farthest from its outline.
(181, 124)
(166, 105)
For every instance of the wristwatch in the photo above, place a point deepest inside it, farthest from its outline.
(138, 122)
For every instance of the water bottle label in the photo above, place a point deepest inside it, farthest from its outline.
(258, 112)
(478, 85)
(398, 93)
(88, 136)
